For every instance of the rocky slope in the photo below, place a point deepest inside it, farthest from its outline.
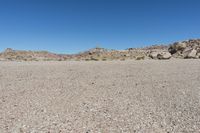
(130, 53)
(186, 49)
(19, 55)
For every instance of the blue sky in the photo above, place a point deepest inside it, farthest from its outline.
(71, 26)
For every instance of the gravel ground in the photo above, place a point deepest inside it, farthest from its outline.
(147, 96)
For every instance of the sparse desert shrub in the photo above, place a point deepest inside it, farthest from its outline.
(94, 59)
(77, 59)
(104, 59)
(122, 59)
(10, 59)
(34, 59)
(47, 59)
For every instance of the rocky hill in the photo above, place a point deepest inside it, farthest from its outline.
(19, 55)
(97, 54)
(185, 50)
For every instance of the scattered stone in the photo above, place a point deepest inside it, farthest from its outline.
(164, 56)
(186, 52)
(198, 55)
(192, 54)
(160, 55)
(153, 55)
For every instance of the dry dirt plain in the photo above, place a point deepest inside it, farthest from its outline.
(106, 97)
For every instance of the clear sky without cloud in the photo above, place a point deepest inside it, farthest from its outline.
(70, 26)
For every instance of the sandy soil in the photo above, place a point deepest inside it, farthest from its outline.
(107, 97)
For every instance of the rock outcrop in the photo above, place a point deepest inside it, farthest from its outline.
(192, 54)
(153, 54)
(185, 49)
(164, 55)
(161, 55)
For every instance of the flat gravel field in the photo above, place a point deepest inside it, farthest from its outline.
(149, 96)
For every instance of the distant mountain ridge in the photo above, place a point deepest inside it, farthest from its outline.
(184, 49)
